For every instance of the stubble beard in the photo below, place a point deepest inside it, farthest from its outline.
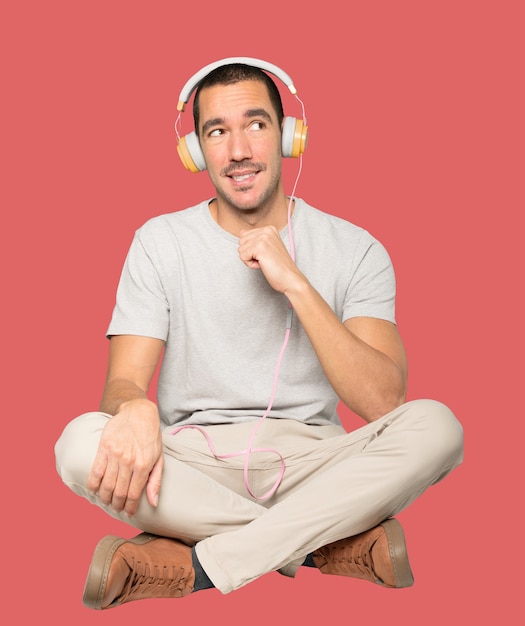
(265, 199)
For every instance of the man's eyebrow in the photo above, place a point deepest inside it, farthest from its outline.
(258, 113)
(249, 114)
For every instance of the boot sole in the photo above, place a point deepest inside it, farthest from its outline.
(398, 553)
(97, 576)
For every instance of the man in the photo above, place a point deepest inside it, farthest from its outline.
(264, 313)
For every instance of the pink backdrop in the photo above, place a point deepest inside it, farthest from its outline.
(415, 112)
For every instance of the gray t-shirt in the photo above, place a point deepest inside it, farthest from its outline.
(224, 326)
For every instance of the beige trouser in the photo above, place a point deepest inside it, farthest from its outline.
(336, 484)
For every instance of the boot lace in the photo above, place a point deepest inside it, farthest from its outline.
(148, 580)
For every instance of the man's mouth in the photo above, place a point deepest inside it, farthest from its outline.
(240, 178)
(241, 172)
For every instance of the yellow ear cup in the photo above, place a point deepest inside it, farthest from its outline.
(191, 154)
(294, 137)
(300, 138)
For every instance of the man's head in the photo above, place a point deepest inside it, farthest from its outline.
(239, 132)
(231, 73)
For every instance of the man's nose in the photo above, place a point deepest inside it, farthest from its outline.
(239, 145)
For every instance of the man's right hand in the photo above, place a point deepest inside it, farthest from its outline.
(129, 459)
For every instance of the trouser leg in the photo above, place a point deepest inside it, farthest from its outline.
(192, 505)
(386, 465)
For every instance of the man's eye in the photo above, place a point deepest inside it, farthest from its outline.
(217, 132)
(257, 126)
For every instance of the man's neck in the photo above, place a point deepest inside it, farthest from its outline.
(235, 220)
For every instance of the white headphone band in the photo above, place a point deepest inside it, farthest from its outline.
(192, 83)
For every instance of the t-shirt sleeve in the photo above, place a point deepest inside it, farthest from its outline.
(141, 304)
(372, 289)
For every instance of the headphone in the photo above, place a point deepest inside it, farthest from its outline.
(294, 131)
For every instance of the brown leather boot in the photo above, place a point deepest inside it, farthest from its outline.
(378, 555)
(146, 566)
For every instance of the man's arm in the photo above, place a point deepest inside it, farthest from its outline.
(364, 358)
(129, 458)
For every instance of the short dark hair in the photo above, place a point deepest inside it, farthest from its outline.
(233, 73)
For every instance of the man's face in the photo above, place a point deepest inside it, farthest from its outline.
(241, 141)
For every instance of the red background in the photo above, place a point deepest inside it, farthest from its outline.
(416, 125)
